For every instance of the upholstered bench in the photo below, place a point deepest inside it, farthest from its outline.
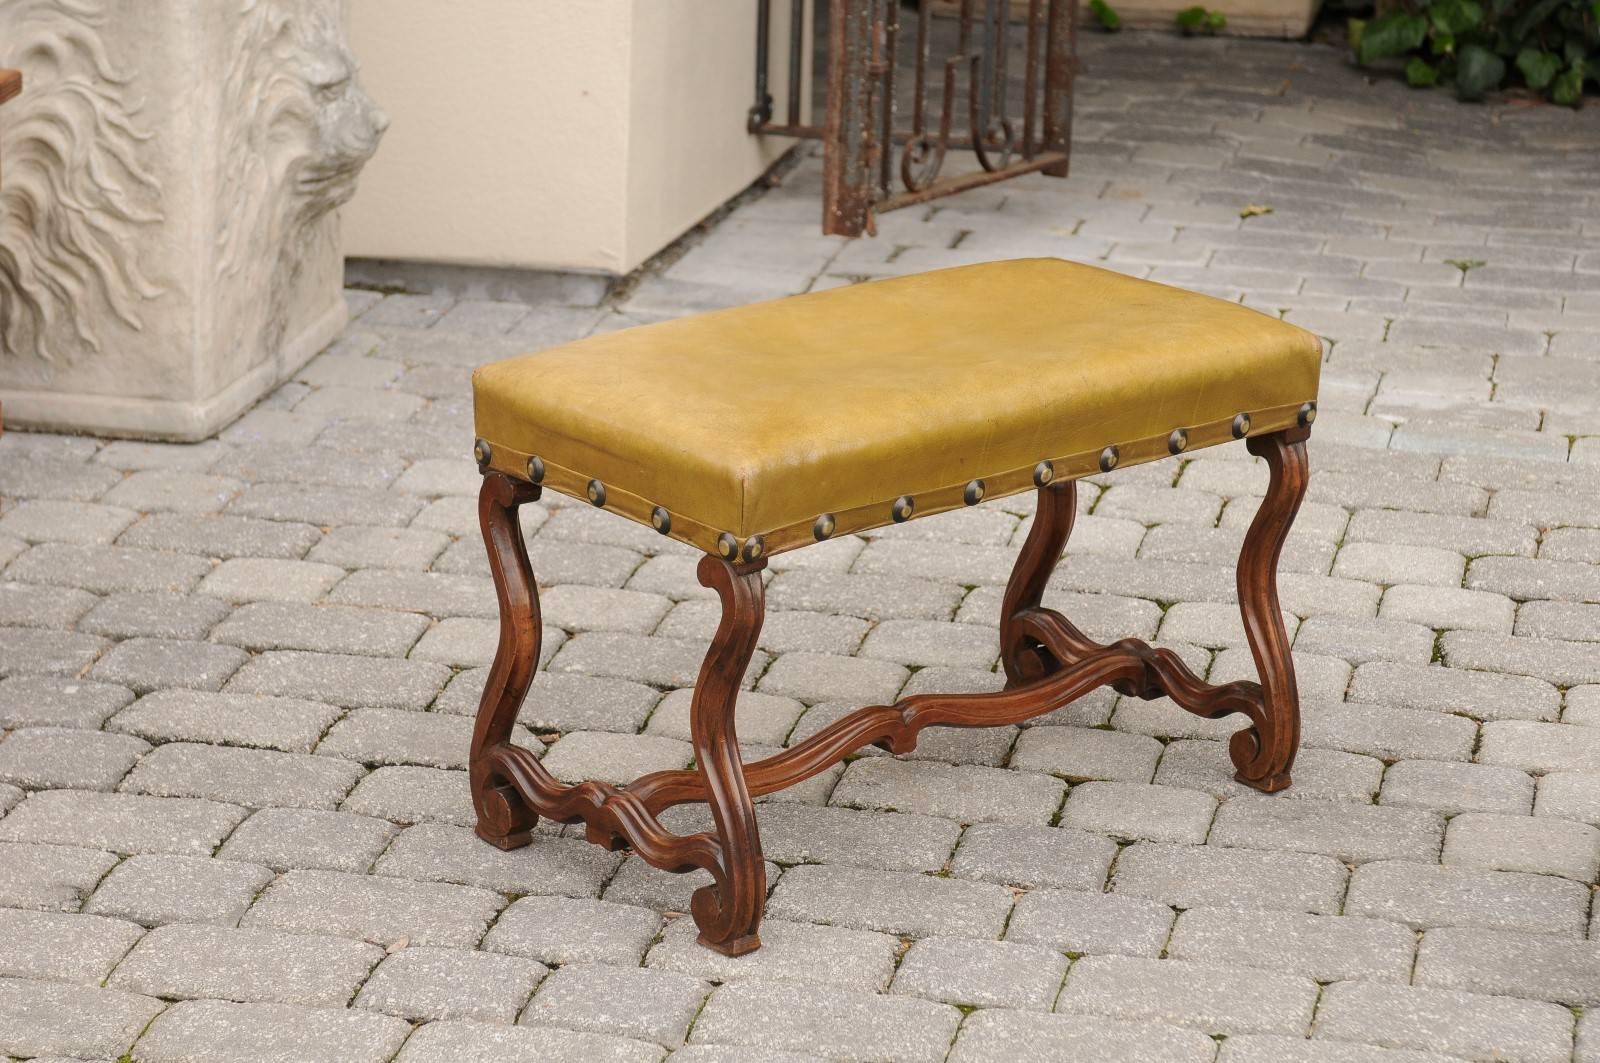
(753, 431)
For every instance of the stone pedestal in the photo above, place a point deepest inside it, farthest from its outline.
(169, 245)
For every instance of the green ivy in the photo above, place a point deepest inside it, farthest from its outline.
(1196, 20)
(1108, 20)
(1551, 46)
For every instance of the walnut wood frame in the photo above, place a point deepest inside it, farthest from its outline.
(1048, 663)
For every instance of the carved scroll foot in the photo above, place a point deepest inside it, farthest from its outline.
(505, 819)
(1264, 753)
(728, 913)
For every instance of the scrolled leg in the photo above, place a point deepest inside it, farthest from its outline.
(728, 913)
(504, 816)
(1024, 658)
(1264, 753)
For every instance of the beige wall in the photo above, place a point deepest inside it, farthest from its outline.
(554, 134)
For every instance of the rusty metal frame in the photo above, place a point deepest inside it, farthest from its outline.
(870, 163)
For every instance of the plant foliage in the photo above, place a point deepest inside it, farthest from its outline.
(1106, 18)
(1197, 20)
(1551, 46)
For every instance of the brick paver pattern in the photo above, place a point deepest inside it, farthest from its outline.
(238, 677)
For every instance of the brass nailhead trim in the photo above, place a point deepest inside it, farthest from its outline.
(536, 470)
(973, 493)
(1177, 441)
(661, 520)
(1043, 473)
(482, 452)
(597, 492)
(823, 528)
(754, 547)
(1241, 425)
(902, 508)
(1109, 458)
(727, 546)
(1307, 414)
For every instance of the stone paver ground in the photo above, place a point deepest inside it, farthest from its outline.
(238, 677)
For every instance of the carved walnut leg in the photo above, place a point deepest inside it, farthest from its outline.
(504, 816)
(729, 912)
(1025, 659)
(1263, 754)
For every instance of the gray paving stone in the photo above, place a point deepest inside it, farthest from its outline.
(1278, 1048)
(924, 642)
(1552, 660)
(1481, 695)
(153, 490)
(1215, 999)
(154, 889)
(223, 1032)
(222, 535)
(1350, 832)
(146, 664)
(802, 834)
(339, 679)
(1365, 640)
(1324, 948)
(308, 465)
(409, 794)
(39, 758)
(470, 642)
(396, 736)
(614, 758)
(288, 838)
(1461, 535)
(1448, 608)
(1001, 1035)
(1198, 876)
(256, 778)
(205, 962)
(56, 479)
(49, 877)
(840, 1023)
(123, 823)
(1391, 563)
(439, 594)
(156, 615)
(642, 1004)
(1425, 896)
(375, 908)
(962, 792)
(61, 947)
(812, 677)
(762, 719)
(325, 506)
(577, 608)
(323, 628)
(26, 651)
(567, 930)
(446, 1042)
(1569, 620)
(1033, 857)
(433, 983)
(359, 547)
(1137, 811)
(1540, 747)
(790, 952)
(47, 1018)
(1450, 788)
(656, 661)
(981, 973)
(867, 596)
(1319, 774)
(1080, 753)
(894, 902)
(1569, 795)
(1526, 578)
(40, 605)
(250, 579)
(250, 720)
(1509, 963)
(83, 523)
(981, 746)
(550, 866)
(1085, 923)
(1469, 1025)
(1538, 845)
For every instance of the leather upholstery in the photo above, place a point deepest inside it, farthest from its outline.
(754, 421)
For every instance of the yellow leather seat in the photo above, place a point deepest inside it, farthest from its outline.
(765, 427)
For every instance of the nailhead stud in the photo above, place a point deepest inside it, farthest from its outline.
(1043, 473)
(1308, 413)
(1241, 425)
(974, 493)
(823, 527)
(482, 452)
(1109, 458)
(661, 520)
(536, 470)
(597, 492)
(902, 508)
(1178, 441)
(727, 546)
(754, 547)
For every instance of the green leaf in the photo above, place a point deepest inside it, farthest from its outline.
(1568, 88)
(1192, 19)
(1393, 34)
(1355, 28)
(1420, 74)
(1441, 43)
(1108, 19)
(1216, 21)
(1455, 16)
(1477, 71)
(1533, 17)
(1539, 68)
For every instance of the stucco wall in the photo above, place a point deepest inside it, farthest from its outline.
(554, 134)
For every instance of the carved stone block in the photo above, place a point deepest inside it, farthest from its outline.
(169, 244)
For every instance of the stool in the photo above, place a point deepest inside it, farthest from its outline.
(766, 428)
